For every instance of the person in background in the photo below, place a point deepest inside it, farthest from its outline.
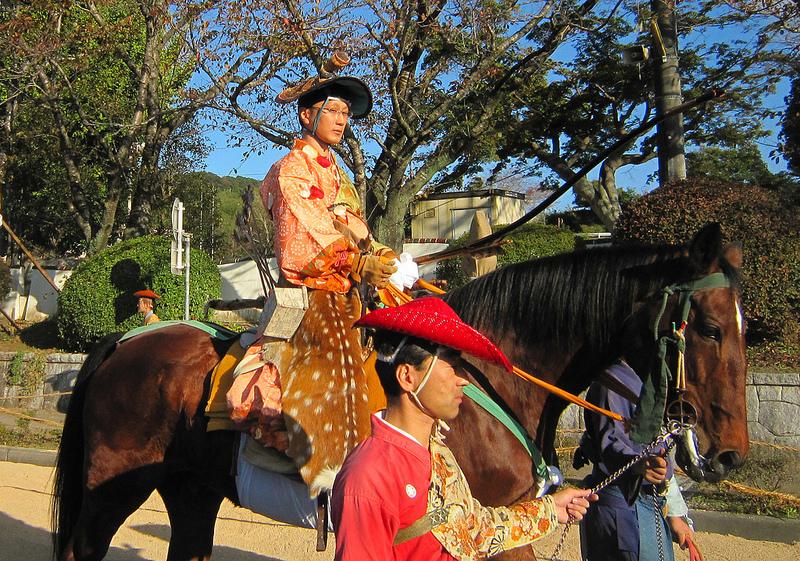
(401, 494)
(145, 304)
(642, 512)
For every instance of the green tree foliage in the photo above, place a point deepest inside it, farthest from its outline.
(592, 100)
(211, 203)
(114, 80)
(531, 241)
(765, 221)
(98, 298)
(741, 164)
(790, 128)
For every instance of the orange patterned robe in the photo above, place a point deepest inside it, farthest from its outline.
(317, 219)
(317, 410)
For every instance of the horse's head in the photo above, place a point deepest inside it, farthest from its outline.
(711, 403)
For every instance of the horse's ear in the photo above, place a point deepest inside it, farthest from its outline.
(706, 247)
(733, 255)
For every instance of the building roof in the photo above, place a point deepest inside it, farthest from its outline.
(471, 194)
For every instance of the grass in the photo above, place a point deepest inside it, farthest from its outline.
(34, 337)
(767, 469)
(25, 437)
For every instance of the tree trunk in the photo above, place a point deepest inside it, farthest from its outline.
(671, 160)
(604, 207)
(388, 224)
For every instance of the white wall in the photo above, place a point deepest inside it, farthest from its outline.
(32, 298)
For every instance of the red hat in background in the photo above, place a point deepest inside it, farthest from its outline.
(432, 319)
(147, 294)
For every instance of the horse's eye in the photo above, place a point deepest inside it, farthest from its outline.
(711, 331)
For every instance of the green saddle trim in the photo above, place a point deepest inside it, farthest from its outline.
(216, 331)
(485, 402)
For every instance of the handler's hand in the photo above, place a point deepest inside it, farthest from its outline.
(683, 535)
(571, 504)
(655, 469)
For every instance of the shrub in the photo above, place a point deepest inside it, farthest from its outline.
(764, 220)
(528, 242)
(533, 241)
(5, 279)
(98, 298)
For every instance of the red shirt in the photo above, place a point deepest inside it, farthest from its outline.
(381, 488)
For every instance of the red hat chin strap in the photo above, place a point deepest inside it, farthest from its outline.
(415, 393)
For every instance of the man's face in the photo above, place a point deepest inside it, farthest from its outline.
(144, 305)
(444, 392)
(332, 122)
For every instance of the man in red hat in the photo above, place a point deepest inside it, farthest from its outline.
(144, 305)
(400, 494)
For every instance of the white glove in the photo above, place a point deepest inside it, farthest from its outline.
(407, 272)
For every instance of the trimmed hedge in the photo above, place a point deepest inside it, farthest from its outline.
(765, 221)
(528, 242)
(98, 298)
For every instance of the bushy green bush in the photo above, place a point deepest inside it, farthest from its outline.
(533, 241)
(765, 221)
(528, 242)
(98, 298)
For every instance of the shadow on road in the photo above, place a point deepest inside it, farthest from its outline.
(220, 553)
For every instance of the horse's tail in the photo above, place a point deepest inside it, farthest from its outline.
(68, 485)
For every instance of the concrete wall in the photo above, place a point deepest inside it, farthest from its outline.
(450, 216)
(773, 408)
(32, 298)
(773, 399)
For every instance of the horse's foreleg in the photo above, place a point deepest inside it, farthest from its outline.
(192, 510)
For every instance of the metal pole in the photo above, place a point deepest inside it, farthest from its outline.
(671, 160)
(186, 265)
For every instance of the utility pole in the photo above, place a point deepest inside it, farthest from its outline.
(671, 160)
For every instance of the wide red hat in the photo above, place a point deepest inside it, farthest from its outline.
(146, 294)
(433, 320)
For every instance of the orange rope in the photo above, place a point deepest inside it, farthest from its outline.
(566, 395)
(428, 286)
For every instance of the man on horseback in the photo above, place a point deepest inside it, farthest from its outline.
(401, 494)
(324, 248)
(145, 301)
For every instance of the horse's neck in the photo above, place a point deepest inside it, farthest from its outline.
(524, 400)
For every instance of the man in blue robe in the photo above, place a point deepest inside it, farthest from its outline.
(626, 522)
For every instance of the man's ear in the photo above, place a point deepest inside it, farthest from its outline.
(304, 115)
(406, 377)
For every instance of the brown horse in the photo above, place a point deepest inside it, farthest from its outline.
(135, 423)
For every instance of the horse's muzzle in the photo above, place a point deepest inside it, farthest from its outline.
(697, 466)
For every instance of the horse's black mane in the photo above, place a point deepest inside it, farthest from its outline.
(581, 296)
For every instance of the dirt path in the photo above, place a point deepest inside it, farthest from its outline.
(244, 536)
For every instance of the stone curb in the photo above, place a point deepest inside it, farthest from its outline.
(747, 526)
(762, 528)
(35, 456)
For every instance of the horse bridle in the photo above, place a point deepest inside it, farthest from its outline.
(680, 409)
(680, 414)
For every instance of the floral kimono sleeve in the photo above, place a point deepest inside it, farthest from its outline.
(473, 531)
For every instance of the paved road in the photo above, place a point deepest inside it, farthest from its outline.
(244, 536)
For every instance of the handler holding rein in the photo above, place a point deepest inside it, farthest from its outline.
(401, 495)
